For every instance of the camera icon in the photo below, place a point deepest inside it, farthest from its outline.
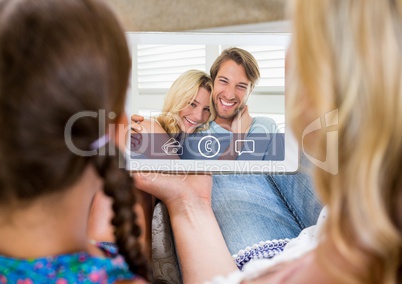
(172, 147)
(173, 150)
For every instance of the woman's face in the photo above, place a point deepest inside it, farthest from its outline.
(197, 112)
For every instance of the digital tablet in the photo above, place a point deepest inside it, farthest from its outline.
(157, 61)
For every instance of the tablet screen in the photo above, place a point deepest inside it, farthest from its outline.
(265, 146)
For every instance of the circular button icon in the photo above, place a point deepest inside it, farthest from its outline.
(209, 146)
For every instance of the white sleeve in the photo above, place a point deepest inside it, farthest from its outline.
(296, 248)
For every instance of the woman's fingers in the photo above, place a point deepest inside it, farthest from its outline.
(174, 187)
(135, 123)
(136, 127)
(242, 122)
(137, 118)
(136, 141)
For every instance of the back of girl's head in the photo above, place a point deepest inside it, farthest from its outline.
(182, 92)
(346, 56)
(57, 59)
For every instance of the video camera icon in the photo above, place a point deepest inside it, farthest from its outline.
(172, 147)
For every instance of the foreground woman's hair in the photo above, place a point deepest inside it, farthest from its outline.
(347, 56)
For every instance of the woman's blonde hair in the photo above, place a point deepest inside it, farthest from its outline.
(182, 92)
(346, 55)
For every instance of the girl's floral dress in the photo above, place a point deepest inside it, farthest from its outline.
(78, 267)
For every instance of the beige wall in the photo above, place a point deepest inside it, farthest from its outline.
(179, 15)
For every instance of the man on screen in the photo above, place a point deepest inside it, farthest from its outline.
(235, 73)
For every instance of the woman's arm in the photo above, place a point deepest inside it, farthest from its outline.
(199, 242)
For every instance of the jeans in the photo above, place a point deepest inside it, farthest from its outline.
(254, 208)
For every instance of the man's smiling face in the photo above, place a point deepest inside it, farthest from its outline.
(231, 88)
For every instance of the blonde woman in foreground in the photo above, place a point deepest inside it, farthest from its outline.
(345, 67)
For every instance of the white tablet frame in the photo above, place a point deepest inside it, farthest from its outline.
(289, 165)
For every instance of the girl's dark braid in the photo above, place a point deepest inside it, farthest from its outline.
(118, 184)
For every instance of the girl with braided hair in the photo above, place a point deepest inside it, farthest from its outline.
(62, 65)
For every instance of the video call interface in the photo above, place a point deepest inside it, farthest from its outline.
(156, 66)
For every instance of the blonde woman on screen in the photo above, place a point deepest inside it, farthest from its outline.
(187, 105)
